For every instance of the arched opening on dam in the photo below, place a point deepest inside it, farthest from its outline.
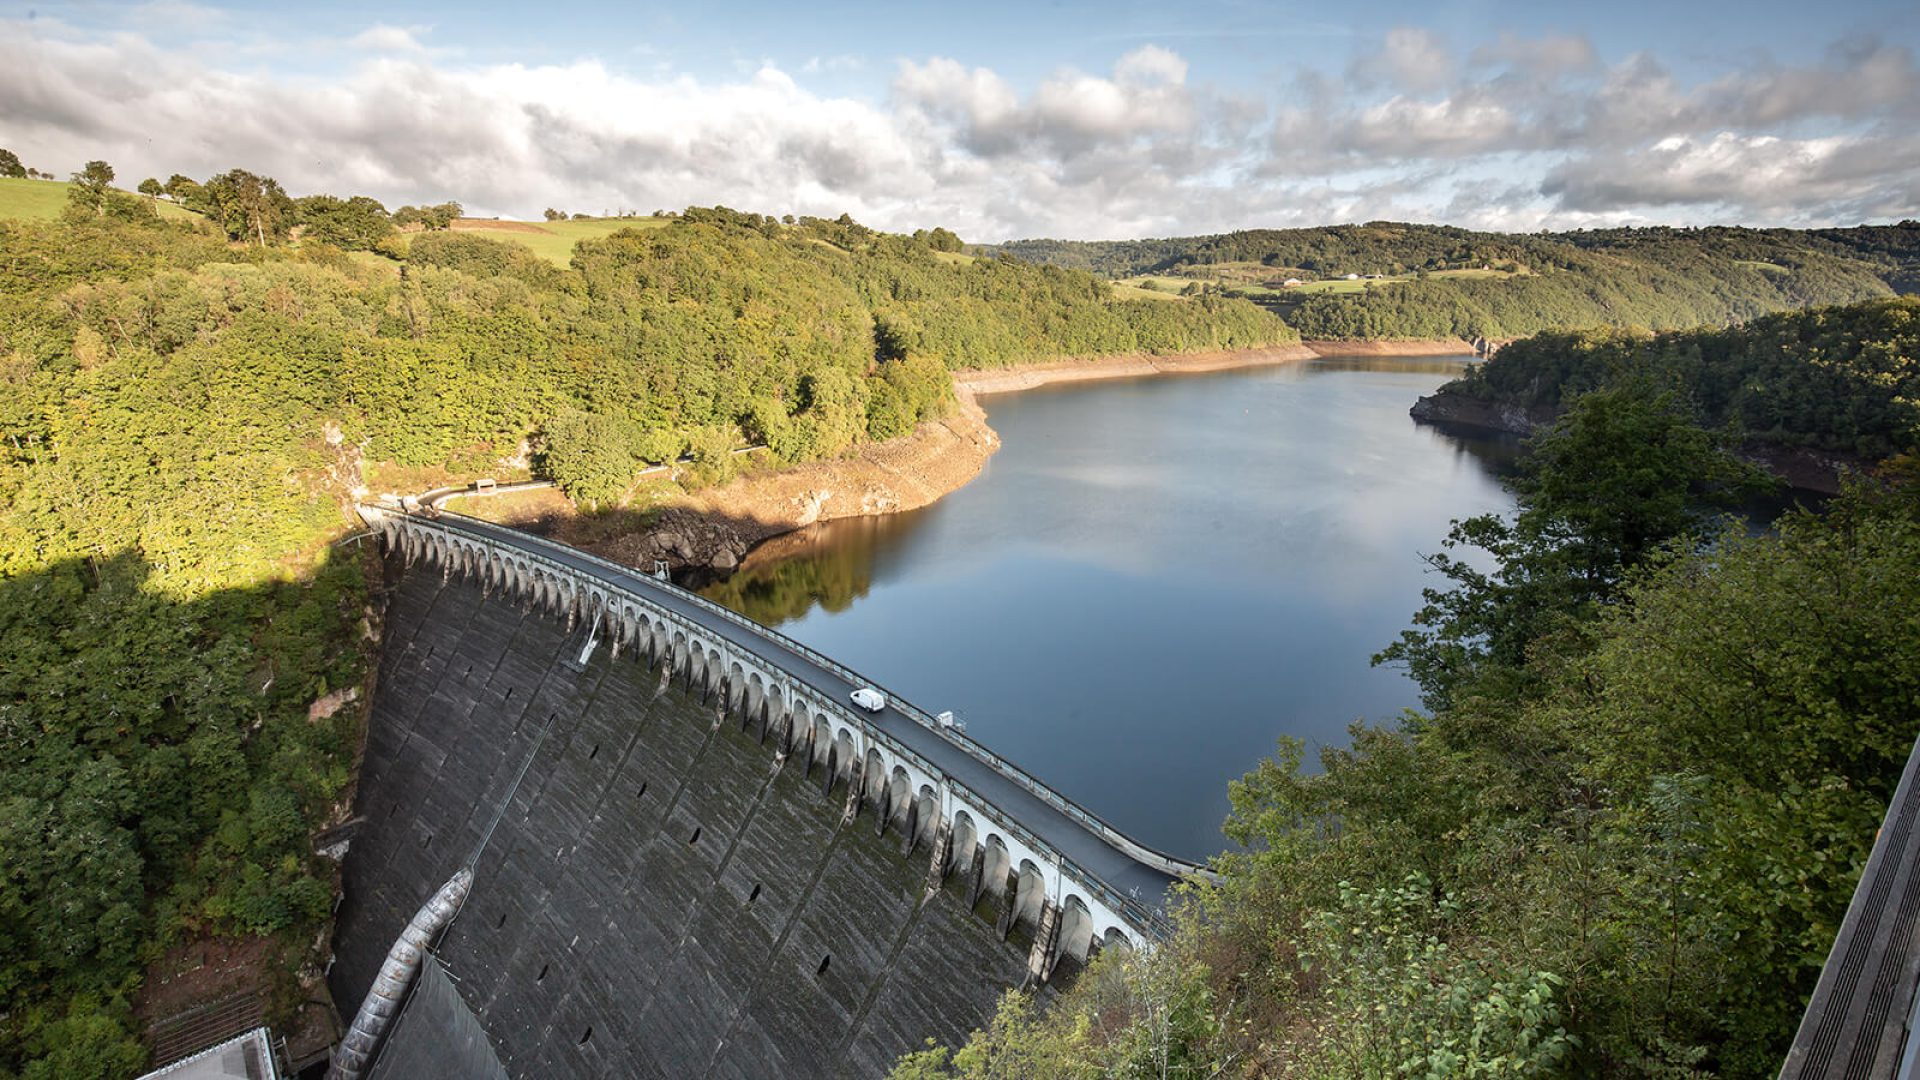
(1075, 942)
(898, 800)
(1029, 893)
(965, 843)
(923, 818)
(995, 865)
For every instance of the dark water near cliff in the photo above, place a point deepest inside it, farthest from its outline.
(1153, 579)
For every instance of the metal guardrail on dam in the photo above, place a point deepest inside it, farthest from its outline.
(1145, 914)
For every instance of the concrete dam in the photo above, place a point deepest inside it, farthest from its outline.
(689, 854)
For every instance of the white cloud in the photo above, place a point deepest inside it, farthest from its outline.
(1849, 178)
(1525, 133)
(1149, 65)
(381, 37)
(1411, 59)
(1547, 58)
(817, 65)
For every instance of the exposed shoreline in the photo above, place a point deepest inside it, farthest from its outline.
(1404, 347)
(1019, 377)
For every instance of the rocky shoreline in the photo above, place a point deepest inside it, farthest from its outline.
(710, 531)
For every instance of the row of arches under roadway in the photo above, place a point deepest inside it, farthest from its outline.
(902, 793)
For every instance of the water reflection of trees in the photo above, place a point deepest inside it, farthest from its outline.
(828, 566)
(1404, 365)
(1497, 452)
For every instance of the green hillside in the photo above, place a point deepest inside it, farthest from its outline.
(43, 200)
(554, 240)
(1844, 379)
(1394, 280)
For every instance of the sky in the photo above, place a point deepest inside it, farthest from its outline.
(1004, 120)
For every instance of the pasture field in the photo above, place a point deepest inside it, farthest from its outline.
(44, 199)
(1123, 290)
(554, 240)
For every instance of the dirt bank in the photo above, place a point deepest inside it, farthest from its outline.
(1127, 366)
(1410, 347)
(712, 529)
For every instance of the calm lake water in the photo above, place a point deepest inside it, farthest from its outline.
(1153, 579)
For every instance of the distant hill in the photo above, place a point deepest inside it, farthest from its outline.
(1397, 280)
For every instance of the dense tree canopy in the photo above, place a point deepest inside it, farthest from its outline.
(252, 209)
(353, 224)
(1624, 472)
(1844, 378)
(437, 217)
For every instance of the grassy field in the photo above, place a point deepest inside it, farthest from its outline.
(554, 240)
(44, 199)
(1125, 291)
(377, 261)
(1337, 285)
(1261, 284)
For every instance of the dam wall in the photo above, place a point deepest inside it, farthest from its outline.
(667, 883)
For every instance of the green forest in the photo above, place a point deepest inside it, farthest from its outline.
(190, 406)
(1649, 278)
(1843, 379)
(1618, 838)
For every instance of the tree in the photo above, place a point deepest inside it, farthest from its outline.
(939, 239)
(150, 187)
(355, 224)
(555, 215)
(180, 187)
(590, 456)
(89, 1043)
(431, 218)
(10, 165)
(1624, 472)
(87, 195)
(249, 207)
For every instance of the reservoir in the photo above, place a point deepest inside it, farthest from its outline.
(1153, 579)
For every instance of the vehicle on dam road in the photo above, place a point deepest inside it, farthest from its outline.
(869, 699)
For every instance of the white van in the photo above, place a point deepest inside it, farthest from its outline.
(870, 699)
